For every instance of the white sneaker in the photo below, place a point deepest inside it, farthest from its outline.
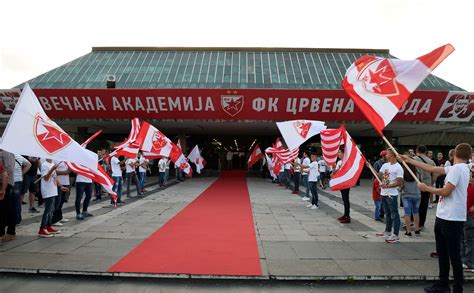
(383, 234)
(305, 198)
(392, 239)
(314, 207)
(310, 205)
(58, 224)
(64, 220)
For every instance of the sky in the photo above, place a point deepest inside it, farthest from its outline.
(37, 36)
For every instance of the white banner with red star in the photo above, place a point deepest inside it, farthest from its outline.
(30, 132)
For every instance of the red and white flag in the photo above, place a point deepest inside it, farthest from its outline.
(331, 140)
(153, 141)
(99, 176)
(132, 136)
(380, 86)
(283, 156)
(256, 156)
(30, 132)
(296, 132)
(183, 164)
(196, 158)
(351, 167)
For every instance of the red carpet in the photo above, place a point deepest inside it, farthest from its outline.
(213, 235)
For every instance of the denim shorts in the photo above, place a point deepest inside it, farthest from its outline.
(411, 205)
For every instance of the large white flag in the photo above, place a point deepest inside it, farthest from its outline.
(30, 132)
(296, 132)
(196, 158)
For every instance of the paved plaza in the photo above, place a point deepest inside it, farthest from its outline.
(294, 242)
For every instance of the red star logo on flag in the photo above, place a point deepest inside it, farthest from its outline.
(379, 78)
(50, 137)
(159, 142)
(302, 128)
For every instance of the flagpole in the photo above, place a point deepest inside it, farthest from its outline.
(403, 162)
(372, 169)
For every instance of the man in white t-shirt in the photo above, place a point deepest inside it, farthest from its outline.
(142, 168)
(130, 174)
(313, 177)
(116, 164)
(451, 214)
(391, 175)
(297, 175)
(322, 172)
(49, 192)
(162, 169)
(304, 173)
(62, 172)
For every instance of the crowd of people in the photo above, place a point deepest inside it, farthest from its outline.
(416, 182)
(47, 184)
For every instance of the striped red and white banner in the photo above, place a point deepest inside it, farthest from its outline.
(331, 140)
(351, 167)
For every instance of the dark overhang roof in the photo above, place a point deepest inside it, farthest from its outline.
(175, 67)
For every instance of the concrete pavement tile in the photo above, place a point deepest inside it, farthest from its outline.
(73, 262)
(428, 267)
(38, 244)
(382, 250)
(272, 237)
(113, 243)
(281, 267)
(67, 245)
(20, 240)
(309, 250)
(354, 267)
(26, 260)
(278, 250)
(340, 250)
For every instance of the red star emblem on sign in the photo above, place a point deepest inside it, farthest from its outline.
(231, 104)
(159, 141)
(302, 128)
(50, 137)
(379, 78)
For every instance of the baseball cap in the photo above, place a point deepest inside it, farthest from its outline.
(383, 153)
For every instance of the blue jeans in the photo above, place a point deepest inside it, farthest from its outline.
(306, 184)
(288, 178)
(161, 179)
(167, 173)
(392, 217)
(141, 179)
(378, 205)
(313, 186)
(47, 219)
(117, 188)
(81, 188)
(16, 200)
(467, 243)
(411, 205)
